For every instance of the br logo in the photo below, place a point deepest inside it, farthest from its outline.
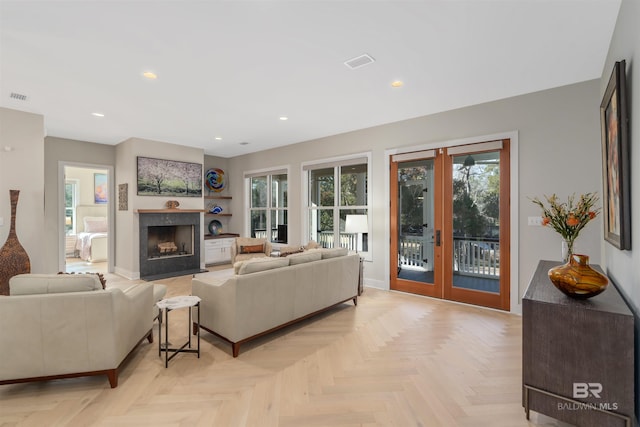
(582, 390)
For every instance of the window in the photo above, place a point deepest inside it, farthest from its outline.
(70, 192)
(268, 208)
(334, 191)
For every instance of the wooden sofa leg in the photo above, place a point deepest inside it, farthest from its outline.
(195, 328)
(355, 300)
(236, 349)
(112, 374)
(150, 336)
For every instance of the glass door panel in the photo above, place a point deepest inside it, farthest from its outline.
(415, 214)
(476, 222)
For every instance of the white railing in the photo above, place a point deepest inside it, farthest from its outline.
(471, 257)
(347, 240)
(410, 251)
(476, 257)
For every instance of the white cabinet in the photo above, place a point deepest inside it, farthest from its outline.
(217, 251)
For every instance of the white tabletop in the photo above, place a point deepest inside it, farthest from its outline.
(178, 302)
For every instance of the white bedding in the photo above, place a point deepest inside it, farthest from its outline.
(83, 244)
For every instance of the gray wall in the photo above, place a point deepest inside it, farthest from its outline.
(57, 150)
(559, 152)
(622, 266)
(21, 169)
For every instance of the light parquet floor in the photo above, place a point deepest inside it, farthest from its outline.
(394, 360)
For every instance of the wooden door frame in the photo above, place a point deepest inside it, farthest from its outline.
(426, 289)
(443, 266)
(487, 299)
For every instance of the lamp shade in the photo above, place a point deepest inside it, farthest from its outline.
(356, 224)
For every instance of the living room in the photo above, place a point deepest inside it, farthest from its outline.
(556, 146)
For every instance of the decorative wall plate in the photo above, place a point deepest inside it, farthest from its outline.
(215, 227)
(214, 180)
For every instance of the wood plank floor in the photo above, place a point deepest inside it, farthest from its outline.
(394, 360)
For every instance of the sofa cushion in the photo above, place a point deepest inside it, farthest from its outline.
(103, 281)
(31, 284)
(303, 257)
(333, 252)
(252, 249)
(262, 264)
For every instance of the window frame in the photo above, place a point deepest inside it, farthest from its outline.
(268, 209)
(337, 163)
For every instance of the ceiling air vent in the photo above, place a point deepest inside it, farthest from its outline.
(18, 96)
(359, 61)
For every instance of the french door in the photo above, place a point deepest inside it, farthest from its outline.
(450, 223)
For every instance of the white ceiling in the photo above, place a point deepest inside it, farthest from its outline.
(231, 69)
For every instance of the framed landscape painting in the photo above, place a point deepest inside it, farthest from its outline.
(158, 177)
(615, 161)
(100, 189)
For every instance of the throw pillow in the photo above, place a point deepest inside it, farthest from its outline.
(288, 250)
(312, 245)
(252, 249)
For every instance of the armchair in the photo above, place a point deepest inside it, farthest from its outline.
(62, 326)
(244, 248)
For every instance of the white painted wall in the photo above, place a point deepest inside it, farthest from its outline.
(21, 169)
(127, 242)
(85, 178)
(559, 152)
(622, 266)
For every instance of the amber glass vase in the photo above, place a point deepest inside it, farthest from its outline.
(577, 279)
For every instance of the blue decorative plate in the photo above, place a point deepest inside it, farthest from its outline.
(214, 179)
(215, 227)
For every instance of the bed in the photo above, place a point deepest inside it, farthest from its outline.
(92, 232)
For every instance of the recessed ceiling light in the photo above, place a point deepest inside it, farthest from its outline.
(97, 114)
(218, 138)
(397, 83)
(150, 75)
(244, 143)
(283, 118)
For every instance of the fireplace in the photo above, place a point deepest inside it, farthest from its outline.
(169, 244)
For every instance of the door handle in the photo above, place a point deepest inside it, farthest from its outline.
(437, 237)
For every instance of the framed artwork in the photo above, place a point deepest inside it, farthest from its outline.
(615, 161)
(123, 197)
(158, 177)
(100, 188)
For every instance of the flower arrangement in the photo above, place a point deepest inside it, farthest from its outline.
(569, 218)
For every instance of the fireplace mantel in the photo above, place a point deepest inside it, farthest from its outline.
(144, 211)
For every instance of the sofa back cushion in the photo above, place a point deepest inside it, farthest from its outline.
(262, 264)
(303, 257)
(32, 284)
(333, 252)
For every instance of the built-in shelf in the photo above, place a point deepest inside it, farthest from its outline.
(215, 214)
(218, 197)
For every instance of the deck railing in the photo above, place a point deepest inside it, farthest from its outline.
(471, 257)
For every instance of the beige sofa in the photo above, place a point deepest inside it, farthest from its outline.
(270, 293)
(62, 326)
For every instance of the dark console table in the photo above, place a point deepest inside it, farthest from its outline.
(577, 355)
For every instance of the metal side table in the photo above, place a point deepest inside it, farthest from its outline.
(166, 306)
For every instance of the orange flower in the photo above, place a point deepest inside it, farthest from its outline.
(572, 221)
(545, 220)
(592, 214)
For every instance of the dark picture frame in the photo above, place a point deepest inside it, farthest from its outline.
(615, 160)
(100, 189)
(159, 177)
